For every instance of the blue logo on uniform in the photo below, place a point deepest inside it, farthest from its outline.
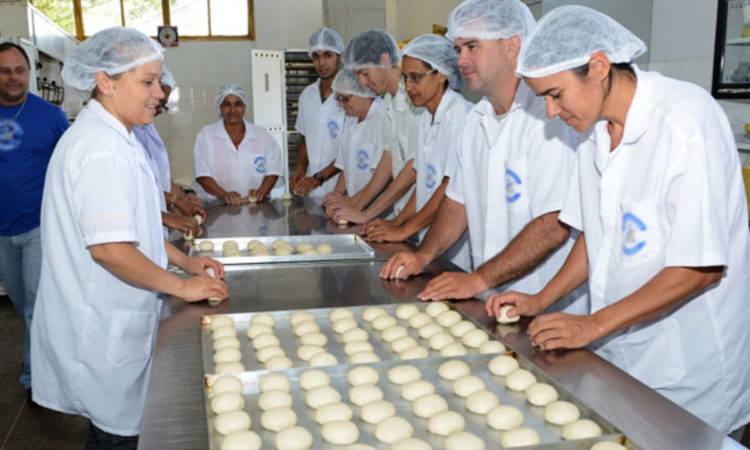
(263, 231)
(260, 164)
(363, 160)
(333, 129)
(512, 183)
(431, 179)
(631, 226)
(10, 131)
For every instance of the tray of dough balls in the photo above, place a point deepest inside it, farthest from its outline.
(463, 402)
(270, 249)
(330, 336)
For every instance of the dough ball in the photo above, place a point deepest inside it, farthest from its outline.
(343, 223)
(304, 247)
(274, 399)
(474, 338)
(359, 447)
(429, 330)
(520, 437)
(333, 412)
(241, 440)
(355, 334)
(434, 309)
(503, 365)
(318, 339)
(231, 244)
(286, 196)
(463, 440)
(505, 417)
(305, 352)
(411, 444)
(264, 318)
(519, 380)
(255, 330)
(293, 438)
(306, 327)
(341, 313)
(221, 321)
(393, 430)
(343, 325)
(274, 382)
(390, 334)
(541, 394)
(278, 362)
(373, 312)
(439, 340)
(364, 394)
(298, 317)
(323, 359)
(481, 402)
(266, 353)
(309, 252)
(503, 316)
(223, 332)
(491, 347)
(227, 383)
(283, 251)
(231, 253)
(251, 244)
(454, 349)
(324, 249)
(226, 342)
(465, 386)
(398, 273)
(404, 312)
(404, 374)
(416, 389)
(229, 368)
(561, 413)
(448, 318)
(581, 429)
(340, 432)
(453, 370)
(419, 320)
(363, 357)
(227, 355)
(265, 340)
(232, 421)
(383, 322)
(377, 411)
(402, 343)
(353, 347)
(458, 330)
(227, 402)
(446, 423)
(278, 418)
(313, 378)
(428, 405)
(322, 395)
(278, 243)
(415, 352)
(607, 445)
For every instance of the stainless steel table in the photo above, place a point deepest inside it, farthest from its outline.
(174, 416)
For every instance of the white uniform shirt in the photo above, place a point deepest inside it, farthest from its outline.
(93, 334)
(236, 169)
(362, 148)
(156, 151)
(671, 195)
(532, 158)
(435, 159)
(322, 125)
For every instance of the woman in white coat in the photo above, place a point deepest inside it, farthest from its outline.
(104, 256)
(660, 203)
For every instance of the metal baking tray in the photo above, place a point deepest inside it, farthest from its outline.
(344, 246)
(534, 416)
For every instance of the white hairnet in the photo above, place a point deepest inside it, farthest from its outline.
(230, 89)
(112, 51)
(367, 47)
(439, 53)
(347, 82)
(490, 19)
(566, 38)
(167, 79)
(325, 39)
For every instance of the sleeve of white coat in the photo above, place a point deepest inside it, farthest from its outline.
(272, 152)
(202, 154)
(550, 162)
(571, 212)
(299, 125)
(449, 152)
(339, 162)
(455, 189)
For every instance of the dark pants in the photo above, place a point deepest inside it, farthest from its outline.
(98, 439)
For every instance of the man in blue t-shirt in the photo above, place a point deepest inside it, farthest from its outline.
(29, 130)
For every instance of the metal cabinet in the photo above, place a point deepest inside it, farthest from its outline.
(299, 73)
(731, 70)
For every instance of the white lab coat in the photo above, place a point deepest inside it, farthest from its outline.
(530, 156)
(93, 334)
(236, 169)
(322, 125)
(435, 159)
(361, 148)
(156, 153)
(671, 195)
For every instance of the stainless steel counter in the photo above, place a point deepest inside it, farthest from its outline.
(175, 418)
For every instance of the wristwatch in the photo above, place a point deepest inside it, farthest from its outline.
(319, 176)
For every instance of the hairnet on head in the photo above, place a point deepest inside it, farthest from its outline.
(490, 19)
(167, 79)
(325, 39)
(112, 51)
(439, 53)
(566, 38)
(347, 82)
(230, 89)
(367, 47)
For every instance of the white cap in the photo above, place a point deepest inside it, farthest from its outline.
(347, 82)
(167, 79)
(366, 49)
(230, 89)
(325, 39)
(490, 19)
(439, 53)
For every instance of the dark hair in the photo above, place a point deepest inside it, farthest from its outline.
(4, 46)
(582, 71)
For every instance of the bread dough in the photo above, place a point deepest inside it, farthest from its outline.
(359, 447)
(259, 251)
(255, 330)
(383, 322)
(227, 383)
(429, 330)
(322, 395)
(377, 411)
(453, 370)
(232, 421)
(318, 339)
(393, 430)
(278, 362)
(226, 402)
(454, 349)
(343, 325)
(264, 318)
(415, 352)
(463, 440)
(223, 332)
(481, 402)
(231, 244)
(362, 375)
(403, 343)
(561, 413)
(474, 338)
(404, 312)
(303, 247)
(503, 318)
(502, 365)
(221, 321)
(305, 352)
(343, 223)
(439, 340)
(581, 429)
(231, 253)
(333, 412)
(251, 244)
(355, 334)
(340, 432)
(227, 355)
(419, 320)
(298, 317)
(465, 386)
(398, 273)
(411, 444)
(448, 318)
(390, 334)
(278, 243)
(364, 394)
(373, 312)
(274, 399)
(226, 342)
(351, 348)
(363, 357)
(541, 394)
(520, 437)
(505, 417)
(283, 251)
(274, 382)
(286, 195)
(265, 340)
(306, 327)
(313, 378)
(229, 368)
(491, 347)
(323, 359)
(416, 389)
(446, 423)
(434, 309)
(341, 313)
(519, 380)
(293, 438)
(241, 440)
(428, 405)
(607, 445)
(324, 249)
(266, 353)
(404, 374)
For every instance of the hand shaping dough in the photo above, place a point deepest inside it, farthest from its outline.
(227, 402)
(428, 405)
(453, 370)
(434, 309)
(503, 365)
(448, 318)
(505, 417)
(241, 440)
(265, 340)
(278, 418)
(274, 399)
(227, 383)
(393, 430)
(404, 374)
(519, 437)
(481, 402)
(232, 421)
(373, 312)
(541, 394)
(341, 313)
(322, 395)
(333, 412)
(293, 438)
(377, 411)
(519, 380)
(364, 394)
(465, 386)
(404, 312)
(581, 429)
(340, 432)
(313, 378)
(463, 440)
(274, 382)
(413, 391)
(561, 413)
(445, 423)
(474, 338)
(362, 375)
(454, 349)
(503, 316)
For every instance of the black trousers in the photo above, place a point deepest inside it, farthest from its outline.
(98, 439)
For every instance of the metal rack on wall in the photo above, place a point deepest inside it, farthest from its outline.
(299, 73)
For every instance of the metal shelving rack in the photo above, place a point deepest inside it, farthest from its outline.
(299, 73)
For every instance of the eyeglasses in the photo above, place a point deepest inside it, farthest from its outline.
(341, 98)
(415, 77)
